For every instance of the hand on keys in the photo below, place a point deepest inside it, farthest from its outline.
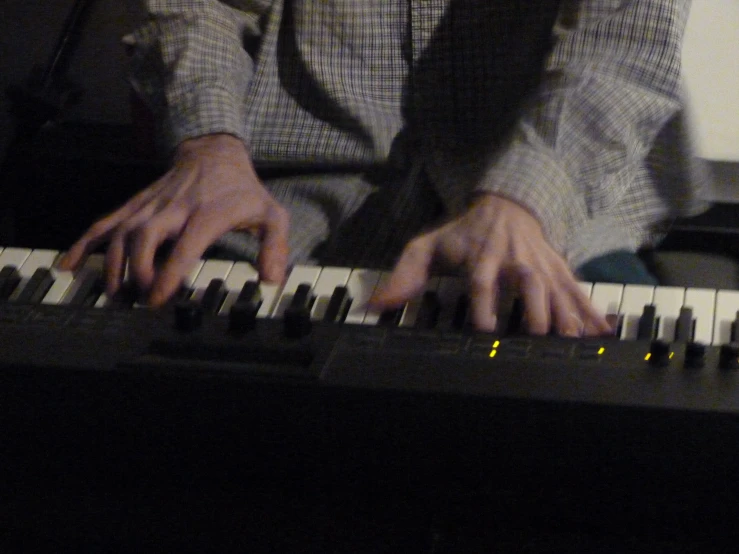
(498, 242)
(212, 188)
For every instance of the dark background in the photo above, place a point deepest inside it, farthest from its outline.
(28, 34)
(55, 183)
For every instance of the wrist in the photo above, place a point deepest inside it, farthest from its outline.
(216, 142)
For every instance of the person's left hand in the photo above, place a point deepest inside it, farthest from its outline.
(498, 242)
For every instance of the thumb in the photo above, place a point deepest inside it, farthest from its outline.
(409, 276)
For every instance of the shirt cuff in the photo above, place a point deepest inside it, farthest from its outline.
(203, 112)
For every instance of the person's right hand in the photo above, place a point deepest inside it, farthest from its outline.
(211, 188)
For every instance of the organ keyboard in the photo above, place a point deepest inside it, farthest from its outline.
(27, 277)
(678, 346)
(305, 374)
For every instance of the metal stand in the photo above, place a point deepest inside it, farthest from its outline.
(38, 103)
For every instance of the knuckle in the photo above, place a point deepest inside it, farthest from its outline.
(419, 245)
(144, 233)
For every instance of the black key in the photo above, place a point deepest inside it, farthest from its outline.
(297, 314)
(735, 329)
(10, 278)
(188, 315)
(684, 325)
(338, 305)
(36, 287)
(647, 323)
(515, 321)
(428, 312)
(250, 294)
(616, 322)
(243, 314)
(183, 294)
(213, 296)
(461, 317)
(126, 296)
(390, 318)
(89, 289)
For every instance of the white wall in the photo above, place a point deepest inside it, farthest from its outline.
(711, 68)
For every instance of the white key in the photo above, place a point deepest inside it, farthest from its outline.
(412, 307)
(270, 294)
(189, 281)
(62, 281)
(587, 288)
(361, 285)
(301, 274)
(328, 280)
(37, 259)
(240, 273)
(104, 300)
(94, 264)
(727, 304)
(606, 297)
(212, 269)
(14, 257)
(668, 301)
(703, 304)
(372, 317)
(633, 300)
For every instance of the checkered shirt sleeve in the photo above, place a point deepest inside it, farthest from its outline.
(577, 156)
(569, 107)
(192, 63)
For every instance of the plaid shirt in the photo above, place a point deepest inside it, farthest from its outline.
(571, 108)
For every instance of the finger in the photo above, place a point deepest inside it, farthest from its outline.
(566, 317)
(484, 290)
(115, 258)
(146, 240)
(274, 250)
(594, 323)
(410, 274)
(101, 231)
(96, 235)
(536, 300)
(116, 255)
(197, 233)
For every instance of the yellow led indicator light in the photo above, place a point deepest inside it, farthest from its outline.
(646, 358)
(494, 351)
(601, 351)
(671, 354)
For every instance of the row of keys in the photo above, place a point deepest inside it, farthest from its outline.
(340, 294)
(669, 313)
